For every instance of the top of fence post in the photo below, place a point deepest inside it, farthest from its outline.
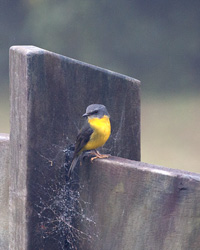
(49, 93)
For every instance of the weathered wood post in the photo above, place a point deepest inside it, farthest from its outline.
(49, 93)
(112, 204)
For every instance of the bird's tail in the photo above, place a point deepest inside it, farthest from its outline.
(73, 165)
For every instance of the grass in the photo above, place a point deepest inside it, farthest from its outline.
(170, 130)
(4, 110)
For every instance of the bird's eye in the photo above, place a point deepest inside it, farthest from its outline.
(94, 112)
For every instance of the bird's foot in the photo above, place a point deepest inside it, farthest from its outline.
(98, 155)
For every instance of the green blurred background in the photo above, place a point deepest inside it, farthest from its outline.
(157, 42)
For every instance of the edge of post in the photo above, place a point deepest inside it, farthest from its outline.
(30, 49)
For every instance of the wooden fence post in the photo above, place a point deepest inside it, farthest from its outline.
(49, 93)
(112, 204)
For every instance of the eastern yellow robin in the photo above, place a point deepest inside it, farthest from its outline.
(93, 134)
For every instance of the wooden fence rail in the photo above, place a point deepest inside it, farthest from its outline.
(112, 204)
(139, 206)
(4, 191)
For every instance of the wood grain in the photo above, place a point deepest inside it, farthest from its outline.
(49, 94)
(138, 206)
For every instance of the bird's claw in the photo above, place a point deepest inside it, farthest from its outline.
(100, 156)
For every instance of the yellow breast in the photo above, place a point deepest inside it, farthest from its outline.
(101, 132)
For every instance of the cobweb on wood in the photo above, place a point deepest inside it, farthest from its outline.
(59, 209)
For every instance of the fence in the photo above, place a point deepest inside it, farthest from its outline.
(111, 204)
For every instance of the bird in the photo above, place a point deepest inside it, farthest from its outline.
(93, 134)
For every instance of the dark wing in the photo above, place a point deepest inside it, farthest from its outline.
(82, 138)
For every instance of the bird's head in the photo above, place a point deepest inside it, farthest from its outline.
(96, 111)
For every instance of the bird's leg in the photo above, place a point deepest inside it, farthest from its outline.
(98, 155)
(97, 152)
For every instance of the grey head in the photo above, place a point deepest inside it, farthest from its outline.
(96, 110)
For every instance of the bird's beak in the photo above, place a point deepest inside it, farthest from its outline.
(85, 115)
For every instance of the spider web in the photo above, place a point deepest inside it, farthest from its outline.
(59, 210)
